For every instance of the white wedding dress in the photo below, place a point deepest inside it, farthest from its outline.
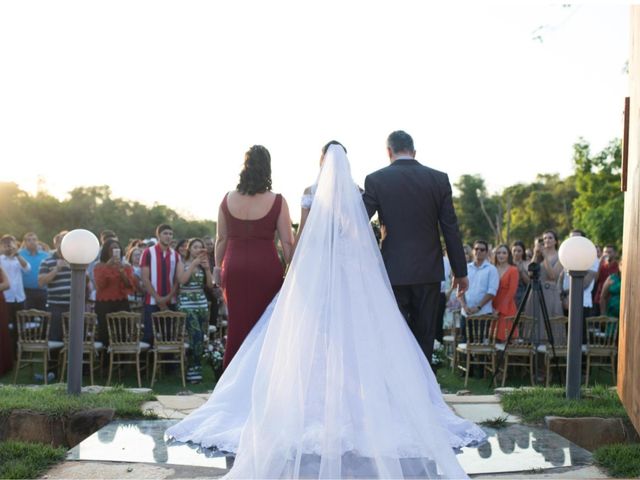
(331, 383)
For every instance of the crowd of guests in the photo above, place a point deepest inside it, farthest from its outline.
(146, 275)
(498, 280)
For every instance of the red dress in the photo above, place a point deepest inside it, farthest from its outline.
(251, 272)
(504, 302)
(6, 349)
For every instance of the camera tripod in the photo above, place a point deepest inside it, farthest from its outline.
(535, 287)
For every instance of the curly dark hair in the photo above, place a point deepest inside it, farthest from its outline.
(255, 177)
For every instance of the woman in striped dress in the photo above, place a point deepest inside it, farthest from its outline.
(194, 277)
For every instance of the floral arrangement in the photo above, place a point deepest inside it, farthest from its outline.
(439, 355)
(213, 355)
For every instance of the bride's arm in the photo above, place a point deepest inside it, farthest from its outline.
(304, 213)
(284, 231)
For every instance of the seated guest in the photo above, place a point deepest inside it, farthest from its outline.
(114, 281)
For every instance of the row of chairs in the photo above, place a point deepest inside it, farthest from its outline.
(125, 342)
(480, 348)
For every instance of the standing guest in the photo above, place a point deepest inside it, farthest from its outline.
(6, 347)
(195, 278)
(55, 274)
(182, 248)
(610, 294)
(36, 297)
(14, 266)
(468, 253)
(214, 293)
(133, 257)
(608, 266)
(159, 266)
(247, 262)
(442, 303)
(483, 285)
(518, 252)
(504, 302)
(114, 282)
(546, 254)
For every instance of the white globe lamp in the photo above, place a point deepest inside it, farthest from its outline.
(577, 254)
(80, 247)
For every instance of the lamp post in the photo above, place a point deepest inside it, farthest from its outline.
(577, 255)
(79, 248)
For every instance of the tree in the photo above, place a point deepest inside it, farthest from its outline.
(599, 205)
(479, 215)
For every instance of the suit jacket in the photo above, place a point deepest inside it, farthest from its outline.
(412, 201)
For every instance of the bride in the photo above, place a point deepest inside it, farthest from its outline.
(331, 383)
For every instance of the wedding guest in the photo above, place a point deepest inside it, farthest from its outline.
(114, 282)
(159, 266)
(182, 248)
(518, 252)
(133, 257)
(468, 253)
(55, 274)
(14, 265)
(442, 304)
(546, 255)
(6, 347)
(608, 266)
(36, 297)
(214, 293)
(247, 262)
(504, 302)
(195, 277)
(610, 294)
(483, 285)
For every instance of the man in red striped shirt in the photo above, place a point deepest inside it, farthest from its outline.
(159, 265)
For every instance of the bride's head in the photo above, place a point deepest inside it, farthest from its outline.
(326, 147)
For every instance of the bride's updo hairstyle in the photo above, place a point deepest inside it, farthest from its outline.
(255, 176)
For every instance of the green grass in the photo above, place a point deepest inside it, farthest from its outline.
(53, 400)
(533, 405)
(167, 384)
(27, 460)
(620, 460)
(497, 422)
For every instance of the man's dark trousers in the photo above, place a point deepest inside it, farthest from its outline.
(419, 306)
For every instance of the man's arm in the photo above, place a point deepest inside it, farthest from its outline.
(369, 197)
(450, 231)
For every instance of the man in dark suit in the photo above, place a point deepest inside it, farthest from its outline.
(412, 201)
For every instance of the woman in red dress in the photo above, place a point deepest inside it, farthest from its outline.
(6, 350)
(251, 271)
(504, 303)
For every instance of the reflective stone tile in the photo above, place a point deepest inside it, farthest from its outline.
(515, 448)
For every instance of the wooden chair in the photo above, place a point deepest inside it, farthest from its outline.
(169, 336)
(602, 342)
(33, 338)
(520, 348)
(91, 349)
(479, 348)
(450, 340)
(125, 333)
(560, 330)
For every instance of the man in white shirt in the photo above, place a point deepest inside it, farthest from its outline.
(484, 281)
(14, 265)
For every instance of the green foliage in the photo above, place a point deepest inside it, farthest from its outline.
(53, 400)
(92, 208)
(599, 205)
(27, 460)
(620, 460)
(532, 405)
(473, 222)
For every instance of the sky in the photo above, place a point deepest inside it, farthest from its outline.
(160, 100)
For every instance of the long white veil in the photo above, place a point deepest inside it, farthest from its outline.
(341, 387)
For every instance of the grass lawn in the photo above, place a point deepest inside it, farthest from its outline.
(620, 461)
(53, 400)
(27, 460)
(533, 405)
(168, 384)
(452, 382)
